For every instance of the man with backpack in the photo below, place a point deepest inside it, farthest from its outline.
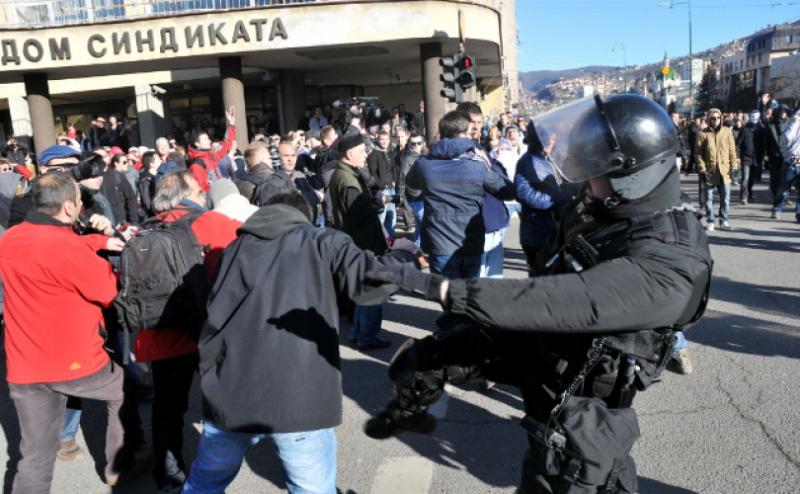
(170, 343)
(204, 160)
(259, 169)
(261, 180)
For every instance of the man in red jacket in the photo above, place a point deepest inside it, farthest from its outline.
(205, 158)
(172, 352)
(55, 289)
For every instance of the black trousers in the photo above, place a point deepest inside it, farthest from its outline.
(530, 256)
(172, 379)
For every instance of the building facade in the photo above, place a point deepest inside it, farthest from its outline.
(169, 63)
(746, 72)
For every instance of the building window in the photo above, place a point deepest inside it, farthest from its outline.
(789, 39)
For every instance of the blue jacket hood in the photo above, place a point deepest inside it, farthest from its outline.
(448, 149)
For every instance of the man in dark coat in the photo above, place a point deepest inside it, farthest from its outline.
(356, 213)
(745, 144)
(280, 379)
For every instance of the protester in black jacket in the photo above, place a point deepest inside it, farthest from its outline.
(119, 191)
(146, 183)
(381, 165)
(745, 146)
(269, 357)
(773, 153)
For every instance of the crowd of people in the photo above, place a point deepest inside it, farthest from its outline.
(319, 206)
(734, 149)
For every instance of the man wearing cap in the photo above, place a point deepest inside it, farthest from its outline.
(716, 161)
(55, 159)
(54, 279)
(355, 212)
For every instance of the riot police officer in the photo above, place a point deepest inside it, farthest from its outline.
(630, 265)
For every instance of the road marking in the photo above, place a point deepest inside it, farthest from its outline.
(403, 475)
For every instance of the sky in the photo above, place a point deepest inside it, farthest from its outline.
(564, 34)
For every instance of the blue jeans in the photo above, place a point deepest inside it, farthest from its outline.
(791, 176)
(418, 210)
(389, 215)
(724, 201)
(457, 266)
(366, 323)
(72, 422)
(680, 342)
(513, 207)
(308, 459)
(493, 254)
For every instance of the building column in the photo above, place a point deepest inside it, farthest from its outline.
(21, 127)
(230, 71)
(435, 103)
(291, 99)
(41, 110)
(150, 113)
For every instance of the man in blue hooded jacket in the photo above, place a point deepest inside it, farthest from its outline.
(454, 179)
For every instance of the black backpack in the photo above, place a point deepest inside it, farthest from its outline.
(256, 180)
(271, 186)
(163, 280)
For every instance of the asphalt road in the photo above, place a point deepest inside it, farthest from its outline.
(731, 427)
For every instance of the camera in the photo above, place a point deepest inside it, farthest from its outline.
(156, 90)
(363, 106)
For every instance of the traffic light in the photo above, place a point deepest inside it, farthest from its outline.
(466, 68)
(451, 77)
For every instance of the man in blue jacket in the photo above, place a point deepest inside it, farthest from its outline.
(454, 179)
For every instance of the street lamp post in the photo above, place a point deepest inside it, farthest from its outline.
(688, 4)
(624, 61)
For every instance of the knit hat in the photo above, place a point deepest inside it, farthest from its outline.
(57, 152)
(349, 142)
(221, 189)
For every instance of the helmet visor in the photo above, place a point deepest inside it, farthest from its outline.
(577, 139)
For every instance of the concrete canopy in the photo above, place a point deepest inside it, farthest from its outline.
(370, 41)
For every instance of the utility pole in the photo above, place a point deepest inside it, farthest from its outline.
(688, 4)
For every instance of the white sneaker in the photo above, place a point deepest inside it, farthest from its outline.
(682, 363)
(710, 227)
(725, 226)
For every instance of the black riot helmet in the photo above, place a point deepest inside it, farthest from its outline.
(628, 138)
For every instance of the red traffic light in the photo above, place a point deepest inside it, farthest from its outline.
(467, 63)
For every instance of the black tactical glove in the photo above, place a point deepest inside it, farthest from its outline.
(410, 279)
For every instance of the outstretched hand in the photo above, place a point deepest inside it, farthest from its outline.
(230, 115)
(410, 279)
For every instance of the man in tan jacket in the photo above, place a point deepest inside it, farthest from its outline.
(716, 160)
